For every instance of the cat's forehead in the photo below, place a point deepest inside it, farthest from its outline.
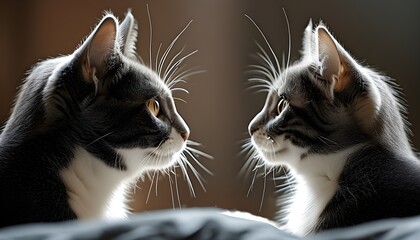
(150, 75)
(138, 83)
(291, 79)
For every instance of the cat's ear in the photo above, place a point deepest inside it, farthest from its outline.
(96, 53)
(307, 45)
(128, 35)
(333, 61)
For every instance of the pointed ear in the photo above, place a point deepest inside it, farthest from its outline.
(307, 44)
(98, 48)
(128, 35)
(333, 59)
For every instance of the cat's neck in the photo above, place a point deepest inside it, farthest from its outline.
(316, 180)
(95, 189)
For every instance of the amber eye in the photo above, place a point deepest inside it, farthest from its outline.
(153, 106)
(282, 105)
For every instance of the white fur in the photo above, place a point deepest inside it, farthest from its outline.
(249, 216)
(91, 184)
(97, 190)
(316, 179)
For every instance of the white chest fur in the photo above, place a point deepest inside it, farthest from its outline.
(316, 178)
(95, 189)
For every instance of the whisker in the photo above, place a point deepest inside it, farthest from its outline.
(264, 187)
(252, 184)
(150, 188)
(171, 62)
(177, 63)
(197, 175)
(266, 41)
(165, 54)
(198, 152)
(188, 151)
(187, 178)
(151, 37)
(105, 135)
(180, 89)
(185, 74)
(172, 192)
(172, 83)
(156, 184)
(258, 69)
(179, 99)
(289, 41)
(157, 56)
(176, 188)
(264, 56)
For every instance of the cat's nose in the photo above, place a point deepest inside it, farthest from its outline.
(185, 135)
(252, 128)
(256, 123)
(182, 127)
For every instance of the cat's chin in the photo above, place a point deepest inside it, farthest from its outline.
(163, 161)
(286, 156)
(159, 158)
(142, 160)
(276, 152)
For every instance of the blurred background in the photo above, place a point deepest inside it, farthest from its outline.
(383, 34)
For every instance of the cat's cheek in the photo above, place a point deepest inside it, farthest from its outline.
(277, 151)
(164, 156)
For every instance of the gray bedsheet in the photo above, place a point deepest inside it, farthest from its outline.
(202, 223)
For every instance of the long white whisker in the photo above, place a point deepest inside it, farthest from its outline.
(171, 62)
(252, 184)
(179, 99)
(266, 41)
(177, 63)
(289, 41)
(185, 74)
(187, 178)
(261, 80)
(172, 192)
(263, 71)
(189, 150)
(156, 184)
(264, 187)
(198, 152)
(180, 89)
(150, 188)
(151, 37)
(176, 188)
(99, 138)
(197, 175)
(165, 54)
(181, 77)
(172, 83)
(264, 56)
(157, 56)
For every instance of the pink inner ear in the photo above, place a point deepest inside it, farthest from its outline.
(101, 46)
(329, 55)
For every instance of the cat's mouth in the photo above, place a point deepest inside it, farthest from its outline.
(163, 155)
(280, 151)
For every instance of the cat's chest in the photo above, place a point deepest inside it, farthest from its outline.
(94, 189)
(316, 182)
(307, 203)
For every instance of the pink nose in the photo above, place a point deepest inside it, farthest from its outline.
(184, 136)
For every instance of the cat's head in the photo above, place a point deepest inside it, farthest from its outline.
(323, 103)
(104, 100)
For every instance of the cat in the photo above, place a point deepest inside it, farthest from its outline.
(339, 129)
(84, 127)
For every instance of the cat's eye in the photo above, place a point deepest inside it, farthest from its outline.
(153, 106)
(282, 105)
